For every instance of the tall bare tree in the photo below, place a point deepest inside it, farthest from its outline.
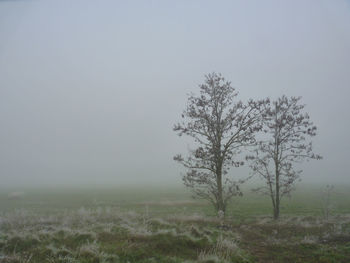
(220, 126)
(286, 141)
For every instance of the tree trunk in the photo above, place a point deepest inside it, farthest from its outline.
(276, 212)
(220, 200)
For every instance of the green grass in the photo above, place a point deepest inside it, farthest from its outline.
(140, 224)
(304, 201)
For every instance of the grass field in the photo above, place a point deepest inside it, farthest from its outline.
(163, 224)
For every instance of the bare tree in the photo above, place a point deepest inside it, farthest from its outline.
(287, 131)
(220, 127)
(326, 200)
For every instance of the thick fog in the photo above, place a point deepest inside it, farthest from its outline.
(90, 90)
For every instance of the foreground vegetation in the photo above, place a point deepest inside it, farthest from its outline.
(165, 225)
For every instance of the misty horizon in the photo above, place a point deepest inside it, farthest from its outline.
(90, 91)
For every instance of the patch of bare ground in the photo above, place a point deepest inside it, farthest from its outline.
(298, 239)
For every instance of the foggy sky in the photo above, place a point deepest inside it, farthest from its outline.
(90, 90)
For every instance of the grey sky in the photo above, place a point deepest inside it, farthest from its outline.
(90, 90)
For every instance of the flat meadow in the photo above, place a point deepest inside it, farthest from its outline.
(164, 224)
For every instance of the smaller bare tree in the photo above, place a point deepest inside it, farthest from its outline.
(285, 141)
